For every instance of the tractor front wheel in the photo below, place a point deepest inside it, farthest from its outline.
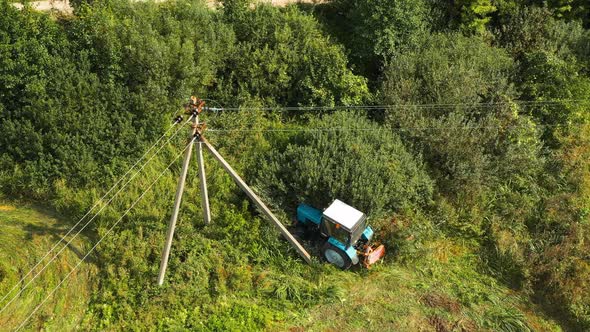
(336, 256)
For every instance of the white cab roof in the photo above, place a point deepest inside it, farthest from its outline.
(343, 214)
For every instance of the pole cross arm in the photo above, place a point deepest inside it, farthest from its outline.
(286, 234)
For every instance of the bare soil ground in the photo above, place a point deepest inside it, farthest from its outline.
(64, 5)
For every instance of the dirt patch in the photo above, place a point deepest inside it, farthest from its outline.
(283, 3)
(435, 300)
(440, 324)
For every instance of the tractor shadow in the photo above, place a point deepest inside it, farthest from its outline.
(311, 240)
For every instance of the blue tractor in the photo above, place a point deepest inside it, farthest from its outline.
(348, 235)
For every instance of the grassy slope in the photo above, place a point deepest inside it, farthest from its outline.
(442, 292)
(27, 233)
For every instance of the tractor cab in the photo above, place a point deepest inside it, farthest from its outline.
(346, 230)
(344, 223)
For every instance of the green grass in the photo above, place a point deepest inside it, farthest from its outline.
(27, 233)
(444, 290)
(440, 292)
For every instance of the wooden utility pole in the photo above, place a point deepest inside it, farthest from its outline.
(286, 234)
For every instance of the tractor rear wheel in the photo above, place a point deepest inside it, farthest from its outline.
(336, 256)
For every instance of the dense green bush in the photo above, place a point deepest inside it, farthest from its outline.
(375, 30)
(349, 157)
(497, 168)
(282, 58)
(101, 88)
(449, 69)
(461, 143)
(384, 28)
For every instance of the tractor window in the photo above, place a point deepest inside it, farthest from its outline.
(358, 230)
(338, 232)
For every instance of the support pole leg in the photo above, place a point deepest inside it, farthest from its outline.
(203, 181)
(177, 200)
(265, 210)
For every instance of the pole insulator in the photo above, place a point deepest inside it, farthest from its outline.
(178, 119)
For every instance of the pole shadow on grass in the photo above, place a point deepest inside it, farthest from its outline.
(56, 232)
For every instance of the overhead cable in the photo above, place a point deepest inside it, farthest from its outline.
(337, 129)
(397, 106)
(89, 221)
(100, 240)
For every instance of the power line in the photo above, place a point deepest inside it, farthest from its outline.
(100, 240)
(85, 225)
(89, 211)
(398, 106)
(338, 129)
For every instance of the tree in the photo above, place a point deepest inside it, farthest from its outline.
(474, 14)
(282, 58)
(529, 29)
(449, 69)
(544, 76)
(571, 9)
(375, 30)
(483, 151)
(348, 157)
